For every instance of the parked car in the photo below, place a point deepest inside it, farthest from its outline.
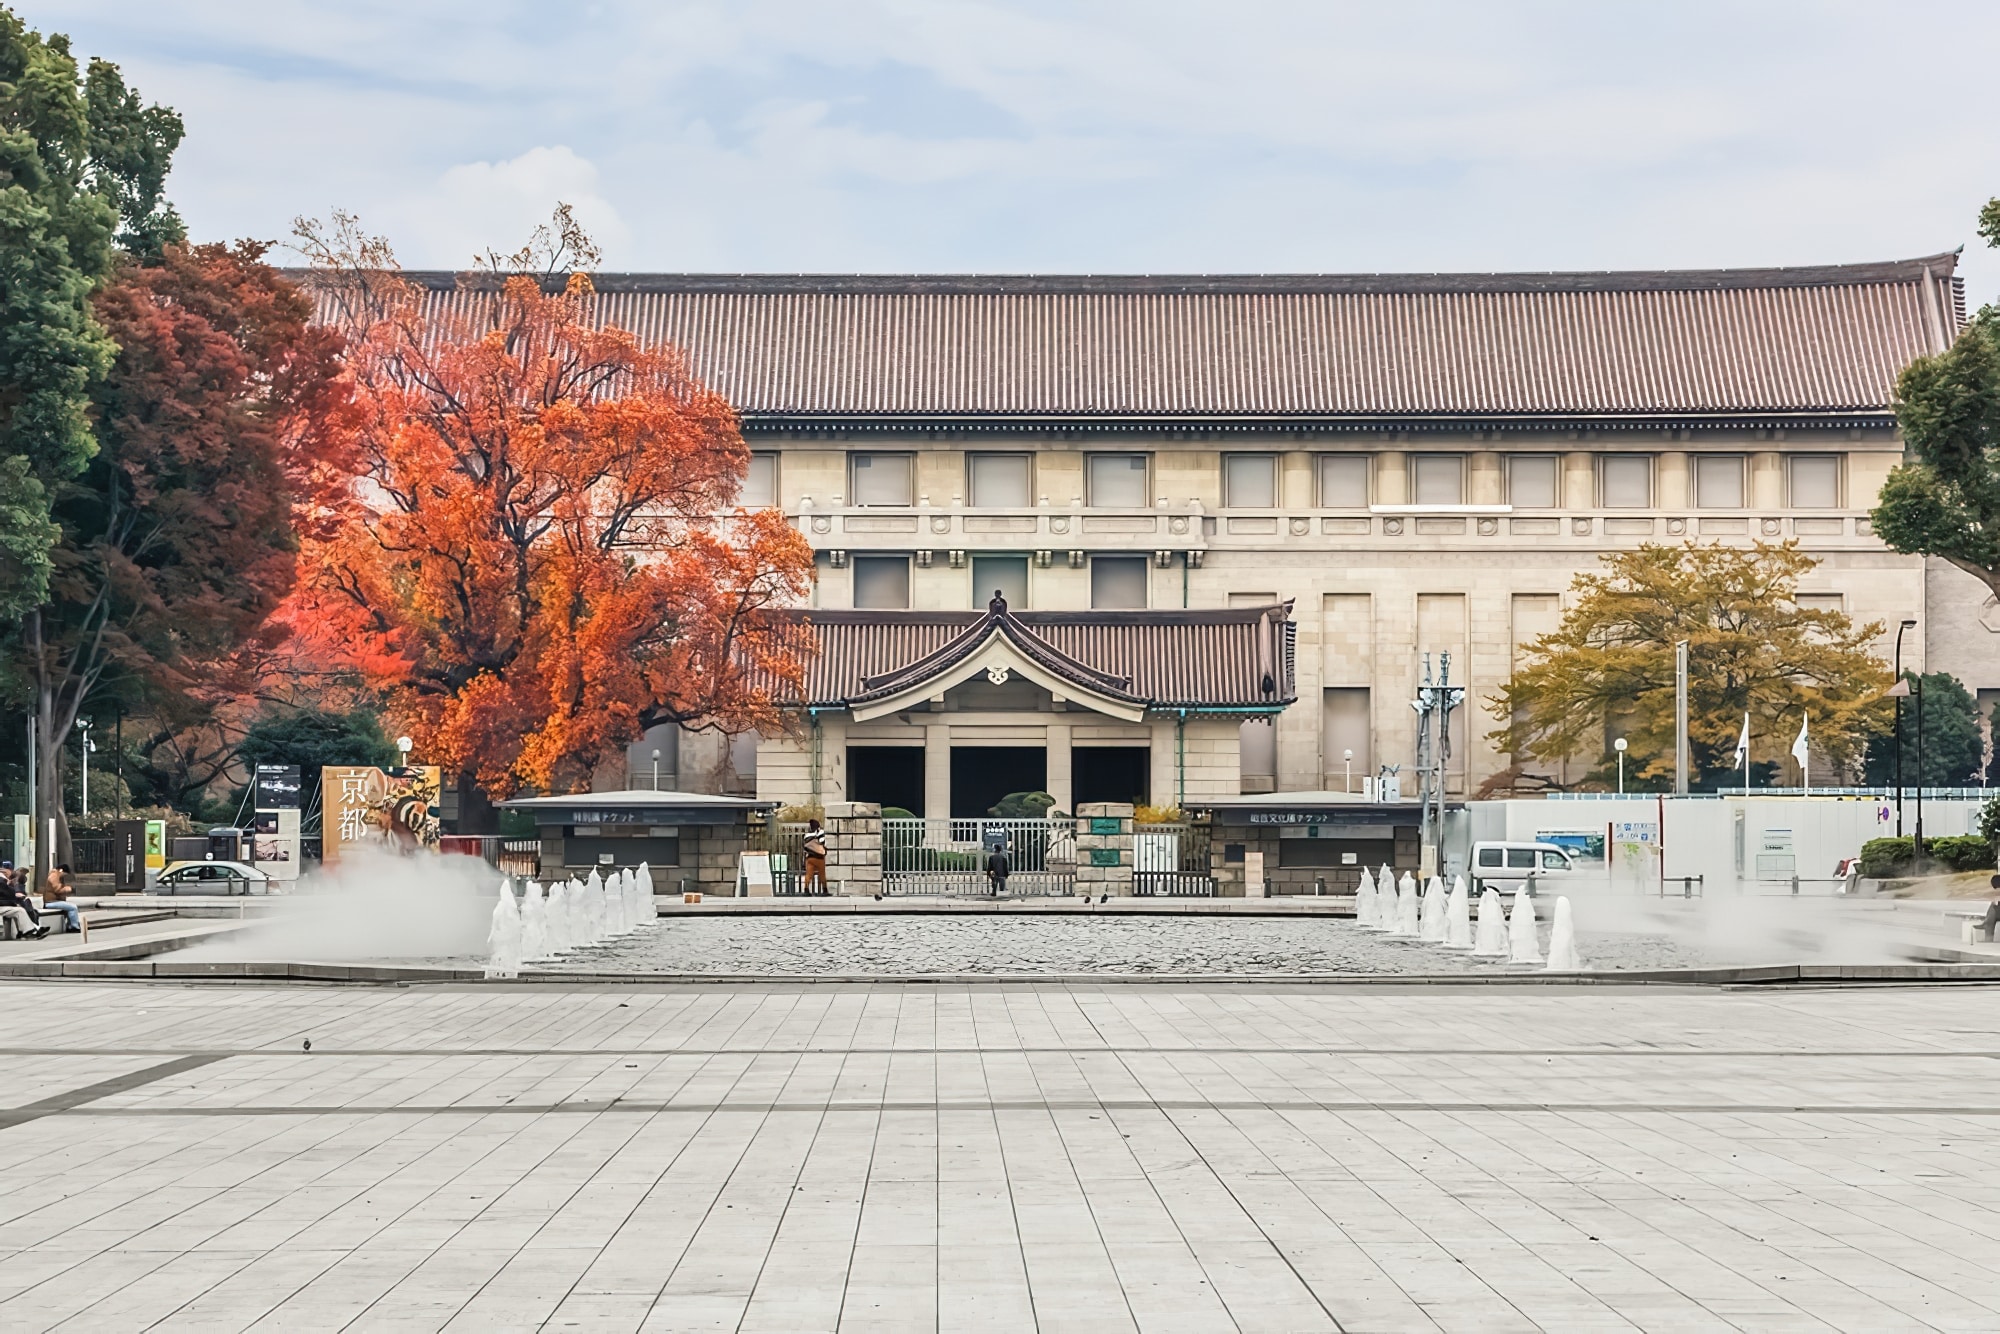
(206, 877)
(1507, 866)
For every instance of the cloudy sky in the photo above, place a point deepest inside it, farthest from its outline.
(1087, 135)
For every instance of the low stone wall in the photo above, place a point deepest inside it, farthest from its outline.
(1104, 848)
(854, 848)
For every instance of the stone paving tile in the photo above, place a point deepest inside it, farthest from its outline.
(1003, 1157)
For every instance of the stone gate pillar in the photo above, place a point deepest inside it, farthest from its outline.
(854, 848)
(1104, 848)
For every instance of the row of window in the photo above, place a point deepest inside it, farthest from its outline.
(1345, 481)
(1117, 583)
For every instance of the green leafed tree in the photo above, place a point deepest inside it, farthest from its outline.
(314, 739)
(1608, 670)
(1951, 749)
(82, 165)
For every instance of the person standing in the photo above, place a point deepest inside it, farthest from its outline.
(997, 870)
(814, 849)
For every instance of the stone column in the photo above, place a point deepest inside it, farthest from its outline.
(1485, 479)
(1675, 482)
(854, 848)
(1767, 481)
(1392, 479)
(937, 770)
(1060, 784)
(1104, 848)
(1579, 489)
(1295, 480)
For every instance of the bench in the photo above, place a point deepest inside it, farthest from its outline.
(1969, 928)
(52, 918)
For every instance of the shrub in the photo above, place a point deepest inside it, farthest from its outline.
(1968, 852)
(1022, 806)
(1884, 857)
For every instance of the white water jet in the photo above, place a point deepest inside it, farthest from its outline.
(642, 886)
(1563, 957)
(1458, 917)
(1431, 929)
(503, 937)
(593, 908)
(1525, 947)
(1492, 942)
(556, 922)
(1364, 901)
(1407, 922)
(534, 923)
(579, 915)
(617, 906)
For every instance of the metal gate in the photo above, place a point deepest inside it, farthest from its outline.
(948, 856)
(1171, 860)
(783, 839)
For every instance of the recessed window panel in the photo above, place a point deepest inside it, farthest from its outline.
(760, 483)
(1439, 479)
(1118, 583)
(1006, 575)
(882, 581)
(999, 481)
(1718, 481)
(1249, 481)
(1815, 481)
(1118, 481)
(1343, 480)
(881, 479)
(1531, 481)
(1626, 481)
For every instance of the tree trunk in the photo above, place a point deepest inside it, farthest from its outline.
(476, 812)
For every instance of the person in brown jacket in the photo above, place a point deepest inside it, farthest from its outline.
(814, 848)
(55, 896)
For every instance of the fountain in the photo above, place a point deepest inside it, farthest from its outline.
(579, 916)
(618, 897)
(593, 907)
(1521, 930)
(1407, 923)
(1492, 942)
(558, 919)
(642, 888)
(503, 938)
(1563, 957)
(534, 923)
(1364, 901)
(1458, 918)
(1432, 928)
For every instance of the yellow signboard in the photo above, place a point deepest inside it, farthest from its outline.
(395, 810)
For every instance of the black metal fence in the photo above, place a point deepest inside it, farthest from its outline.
(1171, 861)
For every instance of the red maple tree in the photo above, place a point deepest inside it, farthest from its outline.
(543, 559)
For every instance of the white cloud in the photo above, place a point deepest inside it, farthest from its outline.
(480, 206)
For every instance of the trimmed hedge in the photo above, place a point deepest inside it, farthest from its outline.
(1883, 857)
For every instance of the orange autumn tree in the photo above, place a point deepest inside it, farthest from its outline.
(542, 558)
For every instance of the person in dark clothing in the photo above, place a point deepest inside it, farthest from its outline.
(15, 907)
(1992, 913)
(997, 867)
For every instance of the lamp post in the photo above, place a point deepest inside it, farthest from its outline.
(656, 768)
(1619, 746)
(83, 726)
(1347, 756)
(1906, 625)
(405, 745)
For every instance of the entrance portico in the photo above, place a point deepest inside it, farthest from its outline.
(944, 713)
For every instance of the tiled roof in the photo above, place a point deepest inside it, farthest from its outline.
(1241, 656)
(879, 350)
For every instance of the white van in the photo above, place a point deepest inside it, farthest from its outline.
(1507, 866)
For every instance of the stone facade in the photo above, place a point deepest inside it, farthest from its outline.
(1104, 849)
(854, 848)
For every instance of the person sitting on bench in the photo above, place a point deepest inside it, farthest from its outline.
(55, 896)
(15, 908)
(1992, 913)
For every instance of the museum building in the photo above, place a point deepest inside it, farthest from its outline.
(1228, 519)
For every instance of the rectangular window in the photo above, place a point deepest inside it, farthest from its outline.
(760, 483)
(1625, 481)
(1345, 732)
(881, 479)
(1118, 583)
(1440, 479)
(1118, 481)
(1343, 481)
(1006, 575)
(1718, 481)
(999, 481)
(1250, 481)
(882, 581)
(1531, 481)
(1815, 481)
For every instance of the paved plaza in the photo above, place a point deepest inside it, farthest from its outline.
(1008, 1157)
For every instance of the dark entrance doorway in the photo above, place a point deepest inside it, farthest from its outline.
(891, 775)
(981, 775)
(1111, 773)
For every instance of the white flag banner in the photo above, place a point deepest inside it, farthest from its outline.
(1743, 741)
(1799, 751)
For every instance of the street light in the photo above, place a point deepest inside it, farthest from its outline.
(405, 745)
(1348, 757)
(83, 725)
(1619, 746)
(656, 768)
(1899, 691)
